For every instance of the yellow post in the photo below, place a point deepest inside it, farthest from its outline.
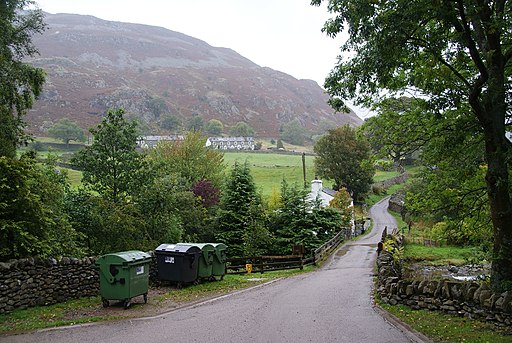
(248, 268)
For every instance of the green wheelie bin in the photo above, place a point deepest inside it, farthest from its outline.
(204, 270)
(219, 260)
(123, 276)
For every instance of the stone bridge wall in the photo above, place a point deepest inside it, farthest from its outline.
(469, 299)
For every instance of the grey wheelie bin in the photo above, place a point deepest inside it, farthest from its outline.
(177, 263)
(123, 276)
(219, 260)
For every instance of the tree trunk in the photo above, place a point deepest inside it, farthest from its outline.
(491, 114)
(488, 100)
(497, 180)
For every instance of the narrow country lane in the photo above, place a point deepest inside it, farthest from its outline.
(332, 304)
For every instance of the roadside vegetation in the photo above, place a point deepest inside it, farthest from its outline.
(442, 327)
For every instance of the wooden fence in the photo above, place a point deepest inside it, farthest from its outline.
(326, 249)
(261, 264)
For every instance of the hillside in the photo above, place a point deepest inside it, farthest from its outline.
(93, 65)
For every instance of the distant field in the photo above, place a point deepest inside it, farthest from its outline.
(74, 177)
(268, 170)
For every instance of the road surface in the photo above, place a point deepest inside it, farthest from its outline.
(332, 304)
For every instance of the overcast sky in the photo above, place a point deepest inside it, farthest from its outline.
(281, 34)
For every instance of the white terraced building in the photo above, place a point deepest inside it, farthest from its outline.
(151, 141)
(231, 143)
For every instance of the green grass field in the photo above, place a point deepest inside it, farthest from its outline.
(268, 170)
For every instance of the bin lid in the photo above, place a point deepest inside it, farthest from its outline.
(165, 247)
(125, 257)
(219, 246)
(180, 247)
(202, 246)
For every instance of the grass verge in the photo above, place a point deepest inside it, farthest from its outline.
(42, 317)
(88, 310)
(448, 328)
(437, 255)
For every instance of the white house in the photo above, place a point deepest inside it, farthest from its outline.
(325, 195)
(231, 143)
(151, 141)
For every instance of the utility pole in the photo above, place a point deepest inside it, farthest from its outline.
(304, 169)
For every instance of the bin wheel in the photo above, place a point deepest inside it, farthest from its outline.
(197, 281)
(221, 277)
(212, 278)
(127, 304)
(179, 285)
(145, 298)
(105, 302)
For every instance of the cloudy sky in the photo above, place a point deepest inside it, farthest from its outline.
(281, 34)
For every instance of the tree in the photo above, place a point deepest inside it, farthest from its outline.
(399, 128)
(189, 159)
(208, 194)
(455, 53)
(294, 133)
(343, 203)
(241, 129)
(159, 202)
(67, 130)
(32, 220)
(157, 106)
(240, 217)
(344, 158)
(170, 122)
(214, 127)
(289, 224)
(301, 220)
(111, 166)
(195, 123)
(20, 83)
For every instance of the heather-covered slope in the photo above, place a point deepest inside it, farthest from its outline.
(93, 65)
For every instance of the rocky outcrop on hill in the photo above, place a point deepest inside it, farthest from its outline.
(93, 65)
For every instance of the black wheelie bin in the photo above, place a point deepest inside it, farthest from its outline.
(177, 263)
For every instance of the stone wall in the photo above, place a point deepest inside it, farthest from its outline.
(469, 299)
(35, 282)
(396, 202)
(30, 282)
(391, 182)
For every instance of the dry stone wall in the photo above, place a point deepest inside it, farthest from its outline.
(32, 281)
(392, 181)
(469, 299)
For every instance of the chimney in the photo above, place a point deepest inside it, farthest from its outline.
(316, 187)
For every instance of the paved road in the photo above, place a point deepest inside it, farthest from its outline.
(332, 304)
